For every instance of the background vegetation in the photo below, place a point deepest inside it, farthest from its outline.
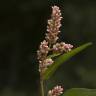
(22, 27)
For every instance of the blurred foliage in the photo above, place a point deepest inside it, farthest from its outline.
(22, 28)
(80, 92)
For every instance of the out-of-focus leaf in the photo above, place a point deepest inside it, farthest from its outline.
(80, 92)
(63, 58)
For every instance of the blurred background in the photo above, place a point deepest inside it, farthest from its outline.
(22, 28)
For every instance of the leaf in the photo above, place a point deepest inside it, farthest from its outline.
(63, 58)
(80, 92)
(53, 55)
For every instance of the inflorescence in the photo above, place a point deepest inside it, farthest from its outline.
(56, 91)
(50, 45)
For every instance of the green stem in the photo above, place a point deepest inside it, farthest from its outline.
(42, 88)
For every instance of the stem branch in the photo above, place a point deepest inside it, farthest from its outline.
(42, 88)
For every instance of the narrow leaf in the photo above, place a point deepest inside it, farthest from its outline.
(63, 58)
(80, 92)
(53, 55)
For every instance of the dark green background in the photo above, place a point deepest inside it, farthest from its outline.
(22, 28)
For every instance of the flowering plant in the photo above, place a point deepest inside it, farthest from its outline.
(50, 48)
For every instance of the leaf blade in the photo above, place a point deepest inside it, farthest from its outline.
(63, 58)
(80, 92)
(53, 55)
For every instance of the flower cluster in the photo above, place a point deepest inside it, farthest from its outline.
(50, 43)
(62, 47)
(56, 91)
(51, 37)
(53, 25)
(43, 50)
(42, 54)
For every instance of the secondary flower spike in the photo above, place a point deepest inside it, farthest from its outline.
(42, 54)
(43, 50)
(56, 91)
(54, 25)
(62, 47)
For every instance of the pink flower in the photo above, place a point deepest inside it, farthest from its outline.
(62, 47)
(44, 64)
(54, 25)
(67, 47)
(50, 42)
(56, 91)
(43, 50)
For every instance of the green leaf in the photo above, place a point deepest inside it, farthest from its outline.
(53, 55)
(80, 92)
(63, 58)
